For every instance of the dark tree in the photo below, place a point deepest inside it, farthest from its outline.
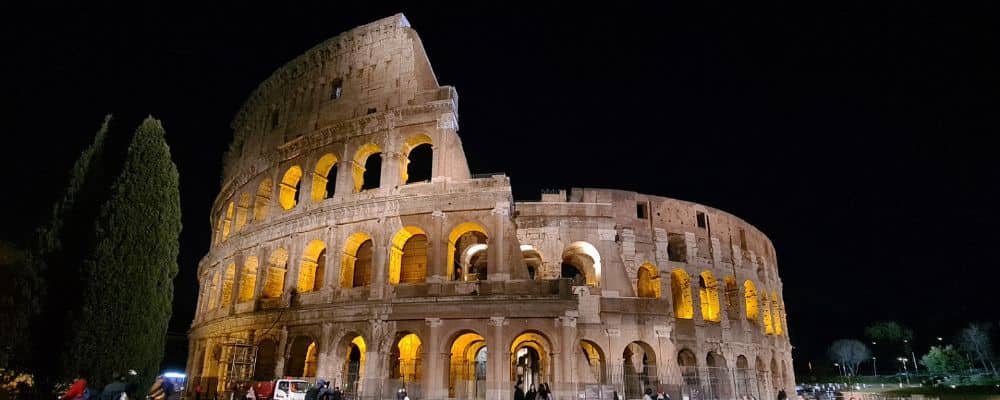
(131, 265)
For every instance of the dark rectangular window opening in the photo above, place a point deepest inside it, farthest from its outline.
(337, 89)
(743, 239)
(642, 210)
(702, 220)
(371, 110)
(274, 119)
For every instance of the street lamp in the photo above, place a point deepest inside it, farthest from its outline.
(839, 368)
(874, 367)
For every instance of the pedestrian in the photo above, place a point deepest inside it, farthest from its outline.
(251, 395)
(336, 394)
(782, 395)
(647, 394)
(518, 392)
(399, 394)
(531, 393)
(198, 390)
(76, 391)
(116, 389)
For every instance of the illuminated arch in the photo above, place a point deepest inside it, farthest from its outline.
(248, 280)
(465, 349)
(462, 236)
(649, 282)
(213, 293)
(708, 293)
(227, 221)
(355, 352)
(532, 260)
(680, 290)
(776, 313)
(408, 256)
(242, 211)
(302, 357)
(263, 199)
(597, 371)
(584, 257)
(406, 358)
(288, 191)
(360, 158)
(766, 305)
(356, 261)
(227, 285)
(274, 281)
(411, 143)
(732, 297)
(529, 358)
(321, 177)
(475, 262)
(750, 294)
(312, 267)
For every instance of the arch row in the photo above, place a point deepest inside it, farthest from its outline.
(321, 178)
(717, 299)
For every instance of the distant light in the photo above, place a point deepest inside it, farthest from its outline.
(952, 386)
(173, 375)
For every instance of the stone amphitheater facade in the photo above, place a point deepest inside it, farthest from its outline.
(352, 243)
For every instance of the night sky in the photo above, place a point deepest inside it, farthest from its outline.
(855, 136)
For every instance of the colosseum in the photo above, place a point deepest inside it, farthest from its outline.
(352, 243)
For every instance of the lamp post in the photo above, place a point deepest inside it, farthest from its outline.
(912, 354)
(903, 360)
(874, 367)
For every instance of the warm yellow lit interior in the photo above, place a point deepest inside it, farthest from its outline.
(408, 256)
(274, 282)
(360, 158)
(263, 200)
(708, 293)
(313, 267)
(750, 293)
(248, 281)
(680, 289)
(289, 187)
(349, 259)
(456, 233)
(649, 282)
(321, 175)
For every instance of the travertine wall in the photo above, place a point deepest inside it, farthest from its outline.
(670, 294)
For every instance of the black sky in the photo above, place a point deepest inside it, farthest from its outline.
(857, 136)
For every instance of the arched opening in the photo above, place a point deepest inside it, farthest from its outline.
(266, 360)
(582, 263)
(648, 284)
(467, 372)
(462, 236)
(592, 364)
(263, 200)
(529, 362)
(277, 266)
(227, 285)
(732, 298)
(354, 365)
(408, 256)
(367, 168)
(532, 261)
(708, 293)
(356, 262)
(288, 191)
(227, 221)
(248, 281)
(718, 376)
(213, 293)
(302, 357)
(313, 267)
(688, 364)
(680, 290)
(639, 369)
(766, 305)
(474, 262)
(406, 360)
(324, 179)
(417, 159)
(776, 313)
(745, 386)
(242, 210)
(750, 294)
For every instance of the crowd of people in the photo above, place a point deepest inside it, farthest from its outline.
(121, 387)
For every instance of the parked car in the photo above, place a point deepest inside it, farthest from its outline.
(281, 389)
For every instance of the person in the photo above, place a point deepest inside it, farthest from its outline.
(313, 392)
(405, 396)
(116, 389)
(782, 395)
(614, 395)
(647, 394)
(198, 391)
(399, 394)
(159, 390)
(336, 394)
(251, 395)
(518, 392)
(531, 394)
(660, 395)
(76, 391)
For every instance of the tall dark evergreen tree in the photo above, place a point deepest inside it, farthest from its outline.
(131, 266)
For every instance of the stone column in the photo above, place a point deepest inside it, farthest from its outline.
(498, 384)
(565, 386)
(239, 259)
(345, 175)
(322, 348)
(262, 263)
(294, 247)
(375, 373)
(392, 162)
(497, 257)
(437, 249)
(380, 267)
(432, 370)
(282, 353)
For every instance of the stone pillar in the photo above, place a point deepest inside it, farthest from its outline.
(437, 249)
(497, 257)
(432, 370)
(380, 267)
(282, 353)
(294, 247)
(262, 263)
(345, 175)
(322, 348)
(565, 385)
(375, 373)
(239, 259)
(392, 161)
(498, 384)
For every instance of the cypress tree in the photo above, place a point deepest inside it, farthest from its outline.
(131, 265)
